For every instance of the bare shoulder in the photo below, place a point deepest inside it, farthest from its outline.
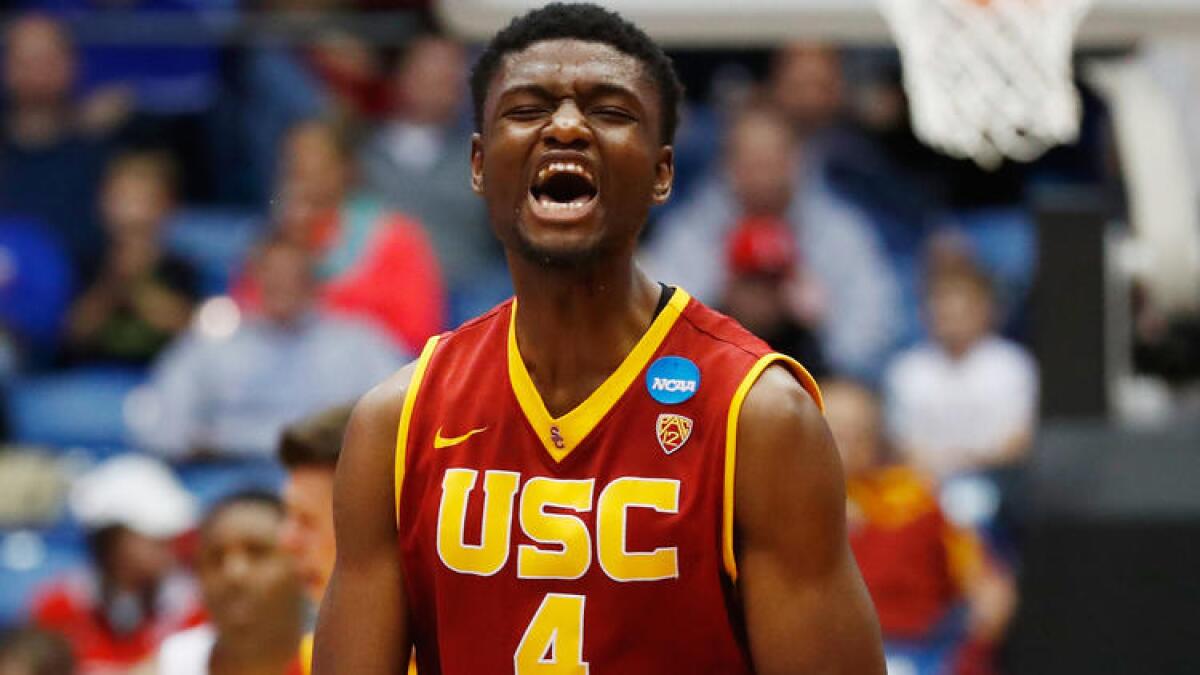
(781, 427)
(779, 408)
(789, 489)
(377, 413)
(386, 399)
(363, 486)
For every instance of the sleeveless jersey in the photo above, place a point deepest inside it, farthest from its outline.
(597, 542)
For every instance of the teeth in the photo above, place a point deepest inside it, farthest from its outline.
(563, 167)
(552, 205)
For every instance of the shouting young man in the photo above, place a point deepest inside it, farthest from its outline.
(602, 475)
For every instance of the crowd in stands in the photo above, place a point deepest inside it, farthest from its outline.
(236, 239)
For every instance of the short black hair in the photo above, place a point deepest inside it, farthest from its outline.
(589, 23)
(315, 440)
(248, 497)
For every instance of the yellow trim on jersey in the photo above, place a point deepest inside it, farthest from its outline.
(731, 428)
(306, 653)
(574, 426)
(410, 400)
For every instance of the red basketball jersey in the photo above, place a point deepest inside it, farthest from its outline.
(597, 542)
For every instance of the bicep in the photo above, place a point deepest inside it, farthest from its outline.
(363, 626)
(805, 604)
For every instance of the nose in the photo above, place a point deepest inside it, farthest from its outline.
(568, 127)
(236, 567)
(289, 536)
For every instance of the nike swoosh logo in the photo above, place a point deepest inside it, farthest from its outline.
(440, 441)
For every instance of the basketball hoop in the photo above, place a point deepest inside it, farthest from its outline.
(989, 79)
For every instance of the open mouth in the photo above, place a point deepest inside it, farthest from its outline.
(563, 188)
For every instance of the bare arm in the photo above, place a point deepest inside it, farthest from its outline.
(363, 624)
(807, 609)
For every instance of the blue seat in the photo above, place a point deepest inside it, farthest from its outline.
(215, 241)
(82, 407)
(211, 481)
(29, 559)
(1004, 240)
(36, 282)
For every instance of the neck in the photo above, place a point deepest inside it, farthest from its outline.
(264, 655)
(40, 125)
(574, 327)
(958, 351)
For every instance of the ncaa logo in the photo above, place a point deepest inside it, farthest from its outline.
(672, 379)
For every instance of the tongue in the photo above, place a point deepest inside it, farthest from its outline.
(546, 200)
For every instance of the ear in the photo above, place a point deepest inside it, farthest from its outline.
(664, 175)
(477, 163)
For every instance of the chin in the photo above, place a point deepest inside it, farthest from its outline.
(559, 250)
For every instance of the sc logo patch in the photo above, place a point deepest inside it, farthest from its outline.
(672, 379)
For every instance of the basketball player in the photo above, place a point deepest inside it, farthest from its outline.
(308, 450)
(252, 594)
(601, 476)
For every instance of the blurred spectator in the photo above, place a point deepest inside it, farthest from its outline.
(337, 75)
(116, 615)
(252, 594)
(765, 295)
(807, 85)
(373, 263)
(229, 387)
(29, 651)
(36, 283)
(309, 451)
(168, 92)
(967, 400)
(143, 296)
(837, 249)
(919, 567)
(52, 152)
(420, 162)
(352, 72)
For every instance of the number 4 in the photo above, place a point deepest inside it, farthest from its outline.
(553, 641)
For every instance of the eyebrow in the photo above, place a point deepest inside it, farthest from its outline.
(533, 89)
(599, 89)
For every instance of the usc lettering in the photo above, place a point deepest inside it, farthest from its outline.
(563, 548)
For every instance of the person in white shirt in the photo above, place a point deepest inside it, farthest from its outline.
(852, 289)
(253, 596)
(965, 401)
(227, 390)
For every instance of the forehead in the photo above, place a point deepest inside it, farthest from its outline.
(303, 480)
(570, 63)
(240, 523)
(759, 130)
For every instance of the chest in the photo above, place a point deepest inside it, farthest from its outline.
(640, 491)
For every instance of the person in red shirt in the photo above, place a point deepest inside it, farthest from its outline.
(115, 615)
(602, 474)
(919, 567)
(373, 263)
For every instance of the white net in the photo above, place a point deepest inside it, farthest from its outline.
(989, 79)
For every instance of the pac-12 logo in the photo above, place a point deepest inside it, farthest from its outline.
(672, 379)
(673, 431)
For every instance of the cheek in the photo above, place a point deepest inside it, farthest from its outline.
(279, 574)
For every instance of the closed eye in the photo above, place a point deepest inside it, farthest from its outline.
(617, 114)
(525, 112)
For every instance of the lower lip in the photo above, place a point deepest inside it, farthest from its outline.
(561, 216)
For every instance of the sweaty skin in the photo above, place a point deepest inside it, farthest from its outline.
(584, 304)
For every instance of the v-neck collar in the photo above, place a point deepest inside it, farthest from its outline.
(563, 434)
